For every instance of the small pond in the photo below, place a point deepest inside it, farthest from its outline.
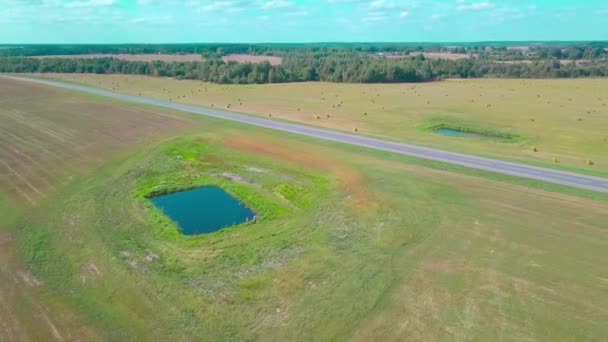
(203, 210)
(456, 133)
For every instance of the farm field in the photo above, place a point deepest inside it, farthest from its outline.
(48, 139)
(39, 133)
(239, 58)
(558, 123)
(350, 244)
(440, 55)
(136, 57)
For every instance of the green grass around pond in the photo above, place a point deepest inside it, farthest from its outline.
(185, 168)
(436, 123)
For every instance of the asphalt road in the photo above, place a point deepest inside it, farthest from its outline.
(547, 175)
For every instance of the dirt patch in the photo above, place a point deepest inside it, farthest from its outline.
(135, 57)
(28, 278)
(89, 271)
(254, 59)
(236, 178)
(256, 169)
(352, 180)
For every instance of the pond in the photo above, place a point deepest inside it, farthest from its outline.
(203, 210)
(457, 133)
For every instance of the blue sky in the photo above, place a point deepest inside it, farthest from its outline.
(157, 21)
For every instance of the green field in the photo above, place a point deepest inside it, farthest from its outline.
(351, 244)
(558, 123)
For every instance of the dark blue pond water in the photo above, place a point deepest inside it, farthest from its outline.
(203, 210)
(455, 133)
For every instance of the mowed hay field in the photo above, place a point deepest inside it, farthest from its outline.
(562, 123)
(349, 245)
(239, 58)
(136, 57)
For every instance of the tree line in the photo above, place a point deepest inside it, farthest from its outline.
(491, 50)
(347, 66)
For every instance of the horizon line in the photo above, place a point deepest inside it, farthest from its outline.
(319, 42)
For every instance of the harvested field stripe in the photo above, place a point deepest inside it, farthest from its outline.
(11, 328)
(129, 109)
(42, 312)
(55, 133)
(35, 146)
(43, 163)
(23, 194)
(23, 179)
(51, 133)
(40, 173)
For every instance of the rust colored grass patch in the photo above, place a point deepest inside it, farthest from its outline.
(353, 181)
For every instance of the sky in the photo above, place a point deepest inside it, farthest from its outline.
(254, 21)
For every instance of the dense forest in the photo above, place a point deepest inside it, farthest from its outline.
(360, 63)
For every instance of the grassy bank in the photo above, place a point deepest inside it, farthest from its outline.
(435, 124)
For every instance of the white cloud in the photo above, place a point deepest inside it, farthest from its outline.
(381, 4)
(217, 6)
(153, 20)
(300, 13)
(375, 17)
(474, 6)
(89, 3)
(501, 14)
(60, 12)
(158, 4)
(404, 14)
(273, 4)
